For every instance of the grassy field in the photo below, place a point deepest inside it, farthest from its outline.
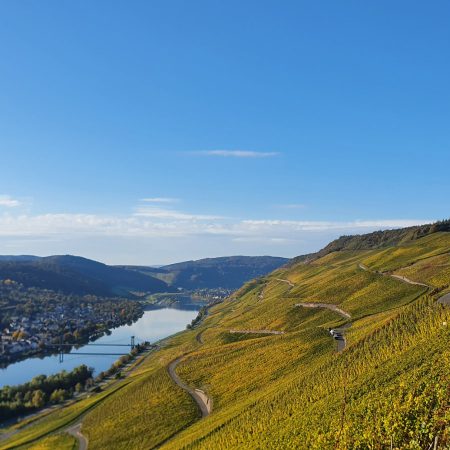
(61, 441)
(294, 390)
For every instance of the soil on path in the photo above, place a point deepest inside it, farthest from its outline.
(290, 283)
(407, 280)
(199, 337)
(256, 332)
(334, 308)
(445, 299)
(339, 333)
(398, 277)
(75, 431)
(202, 400)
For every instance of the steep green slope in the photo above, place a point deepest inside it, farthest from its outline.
(377, 239)
(289, 391)
(294, 390)
(155, 407)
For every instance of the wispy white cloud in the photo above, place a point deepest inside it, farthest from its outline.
(263, 240)
(160, 200)
(158, 222)
(8, 202)
(164, 213)
(292, 206)
(353, 226)
(236, 153)
(170, 237)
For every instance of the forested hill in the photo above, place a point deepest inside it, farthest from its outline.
(76, 275)
(229, 272)
(18, 258)
(377, 239)
(81, 276)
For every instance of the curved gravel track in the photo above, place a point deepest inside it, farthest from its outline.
(202, 400)
(341, 342)
(75, 431)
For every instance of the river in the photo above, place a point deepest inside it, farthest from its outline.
(154, 325)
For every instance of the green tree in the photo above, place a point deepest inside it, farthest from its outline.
(38, 399)
(58, 396)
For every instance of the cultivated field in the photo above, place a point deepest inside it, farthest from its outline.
(293, 390)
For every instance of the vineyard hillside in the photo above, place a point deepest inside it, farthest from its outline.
(348, 350)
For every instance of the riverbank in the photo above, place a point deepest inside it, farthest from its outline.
(152, 326)
(68, 416)
(53, 347)
(77, 408)
(41, 393)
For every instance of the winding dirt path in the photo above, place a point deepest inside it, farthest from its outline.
(256, 332)
(75, 431)
(334, 308)
(398, 277)
(202, 400)
(445, 300)
(341, 342)
(290, 283)
(407, 280)
(199, 337)
(340, 339)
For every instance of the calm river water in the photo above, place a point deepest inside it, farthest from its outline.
(152, 326)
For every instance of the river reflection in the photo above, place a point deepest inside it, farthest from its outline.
(154, 325)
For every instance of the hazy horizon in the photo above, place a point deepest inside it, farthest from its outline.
(188, 258)
(165, 132)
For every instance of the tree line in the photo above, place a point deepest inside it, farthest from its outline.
(43, 390)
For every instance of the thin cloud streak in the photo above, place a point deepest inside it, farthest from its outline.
(362, 225)
(292, 206)
(155, 222)
(9, 202)
(236, 153)
(162, 213)
(160, 200)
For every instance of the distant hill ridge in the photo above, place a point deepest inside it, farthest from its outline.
(376, 239)
(77, 275)
(81, 276)
(275, 375)
(228, 272)
(18, 258)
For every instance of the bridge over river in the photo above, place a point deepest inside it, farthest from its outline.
(64, 348)
(102, 352)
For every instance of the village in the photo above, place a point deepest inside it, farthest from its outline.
(36, 327)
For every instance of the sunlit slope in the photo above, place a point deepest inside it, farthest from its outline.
(152, 400)
(294, 390)
(287, 391)
(400, 256)
(393, 384)
(57, 441)
(434, 271)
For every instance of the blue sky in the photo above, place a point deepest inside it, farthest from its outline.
(153, 132)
